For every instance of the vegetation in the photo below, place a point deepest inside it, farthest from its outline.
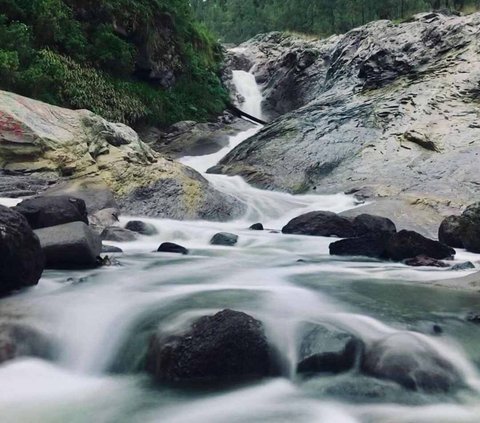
(87, 54)
(238, 20)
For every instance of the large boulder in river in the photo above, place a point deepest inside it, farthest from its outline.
(449, 232)
(70, 246)
(373, 245)
(409, 244)
(42, 212)
(320, 223)
(117, 234)
(226, 347)
(21, 257)
(366, 110)
(410, 360)
(470, 228)
(76, 145)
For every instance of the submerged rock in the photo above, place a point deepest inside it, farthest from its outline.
(117, 234)
(412, 362)
(421, 261)
(111, 249)
(21, 257)
(224, 238)
(42, 212)
(143, 228)
(463, 266)
(70, 246)
(170, 247)
(256, 227)
(229, 346)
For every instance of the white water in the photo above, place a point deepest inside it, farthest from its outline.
(95, 315)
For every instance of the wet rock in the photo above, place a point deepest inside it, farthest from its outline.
(21, 257)
(143, 228)
(321, 223)
(111, 249)
(70, 246)
(463, 266)
(367, 224)
(256, 227)
(20, 340)
(170, 247)
(421, 261)
(409, 244)
(373, 245)
(42, 212)
(117, 234)
(473, 317)
(229, 346)
(411, 361)
(437, 329)
(470, 228)
(449, 232)
(224, 238)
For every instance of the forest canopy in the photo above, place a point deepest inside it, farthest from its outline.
(238, 20)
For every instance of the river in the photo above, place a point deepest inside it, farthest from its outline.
(102, 320)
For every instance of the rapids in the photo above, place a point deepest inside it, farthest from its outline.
(101, 320)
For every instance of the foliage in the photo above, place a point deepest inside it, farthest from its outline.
(85, 53)
(238, 20)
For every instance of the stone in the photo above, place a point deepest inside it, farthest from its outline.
(320, 223)
(256, 227)
(449, 232)
(373, 245)
(111, 249)
(473, 317)
(170, 247)
(21, 257)
(409, 360)
(367, 224)
(42, 212)
(143, 228)
(408, 244)
(463, 266)
(117, 234)
(224, 238)
(227, 347)
(470, 228)
(70, 246)
(421, 261)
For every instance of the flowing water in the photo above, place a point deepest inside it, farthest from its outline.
(102, 320)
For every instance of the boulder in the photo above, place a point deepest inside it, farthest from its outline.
(111, 249)
(470, 228)
(463, 266)
(70, 246)
(143, 228)
(224, 238)
(20, 340)
(227, 347)
(449, 232)
(373, 245)
(321, 223)
(421, 261)
(42, 212)
(409, 244)
(367, 224)
(409, 360)
(21, 257)
(117, 234)
(256, 227)
(170, 247)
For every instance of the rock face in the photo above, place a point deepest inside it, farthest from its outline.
(70, 246)
(389, 108)
(409, 360)
(226, 347)
(44, 140)
(42, 212)
(21, 257)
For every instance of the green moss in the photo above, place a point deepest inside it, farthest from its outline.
(81, 54)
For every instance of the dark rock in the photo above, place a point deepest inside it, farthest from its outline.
(321, 223)
(367, 223)
(437, 329)
(463, 266)
(408, 244)
(409, 360)
(473, 317)
(470, 228)
(70, 246)
(20, 340)
(143, 228)
(420, 261)
(224, 238)
(373, 245)
(170, 247)
(227, 347)
(449, 232)
(256, 227)
(117, 234)
(111, 249)
(21, 257)
(42, 212)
